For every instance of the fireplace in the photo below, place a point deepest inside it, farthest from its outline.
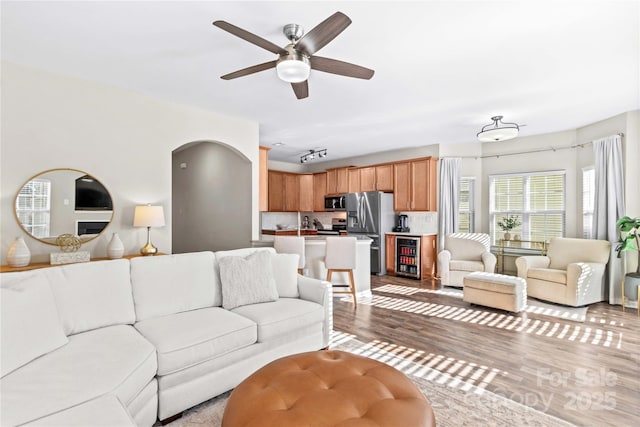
(90, 227)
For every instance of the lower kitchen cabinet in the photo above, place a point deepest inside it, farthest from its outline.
(411, 255)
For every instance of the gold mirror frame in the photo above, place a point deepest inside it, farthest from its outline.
(68, 208)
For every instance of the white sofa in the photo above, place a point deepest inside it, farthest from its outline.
(144, 339)
(572, 272)
(463, 254)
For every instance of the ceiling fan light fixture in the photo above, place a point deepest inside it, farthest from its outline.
(293, 67)
(498, 131)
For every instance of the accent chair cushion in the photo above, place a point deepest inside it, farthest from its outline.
(247, 280)
(285, 273)
(462, 265)
(548, 274)
(30, 323)
(565, 250)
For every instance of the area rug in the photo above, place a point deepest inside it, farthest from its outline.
(455, 403)
(534, 306)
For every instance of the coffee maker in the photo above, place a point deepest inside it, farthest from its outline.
(402, 224)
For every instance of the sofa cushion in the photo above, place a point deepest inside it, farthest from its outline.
(92, 295)
(461, 265)
(104, 411)
(548, 274)
(247, 280)
(188, 338)
(169, 284)
(285, 273)
(30, 323)
(279, 318)
(115, 359)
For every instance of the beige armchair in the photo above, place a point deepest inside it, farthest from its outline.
(572, 272)
(463, 254)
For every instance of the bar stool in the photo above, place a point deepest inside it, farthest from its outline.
(341, 258)
(291, 245)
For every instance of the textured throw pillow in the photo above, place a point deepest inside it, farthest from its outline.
(247, 280)
(285, 272)
(30, 323)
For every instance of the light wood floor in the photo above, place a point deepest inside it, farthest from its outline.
(587, 373)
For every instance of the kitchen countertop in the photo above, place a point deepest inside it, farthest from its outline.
(309, 240)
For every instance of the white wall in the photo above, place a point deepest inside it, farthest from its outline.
(122, 138)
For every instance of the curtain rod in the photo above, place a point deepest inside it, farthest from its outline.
(541, 150)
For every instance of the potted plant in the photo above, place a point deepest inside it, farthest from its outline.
(629, 241)
(507, 224)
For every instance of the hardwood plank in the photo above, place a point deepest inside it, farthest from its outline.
(585, 373)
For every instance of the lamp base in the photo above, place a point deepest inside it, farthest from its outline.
(148, 249)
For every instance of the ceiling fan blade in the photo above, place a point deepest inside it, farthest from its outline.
(323, 33)
(342, 68)
(301, 89)
(249, 70)
(250, 37)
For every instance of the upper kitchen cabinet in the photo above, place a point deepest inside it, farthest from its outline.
(353, 178)
(414, 184)
(276, 193)
(263, 179)
(384, 178)
(338, 180)
(306, 193)
(319, 191)
(368, 179)
(291, 192)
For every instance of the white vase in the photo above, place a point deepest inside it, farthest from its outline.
(115, 248)
(507, 236)
(18, 254)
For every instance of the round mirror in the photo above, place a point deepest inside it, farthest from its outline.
(63, 201)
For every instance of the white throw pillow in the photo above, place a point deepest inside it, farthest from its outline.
(285, 273)
(30, 323)
(247, 280)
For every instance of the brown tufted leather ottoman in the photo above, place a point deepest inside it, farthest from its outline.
(327, 388)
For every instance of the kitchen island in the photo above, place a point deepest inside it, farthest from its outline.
(315, 249)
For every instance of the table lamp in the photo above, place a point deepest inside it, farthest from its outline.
(148, 216)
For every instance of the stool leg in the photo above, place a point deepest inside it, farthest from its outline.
(300, 272)
(329, 273)
(352, 286)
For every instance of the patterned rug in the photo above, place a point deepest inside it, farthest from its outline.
(455, 402)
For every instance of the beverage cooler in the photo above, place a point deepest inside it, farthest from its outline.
(408, 256)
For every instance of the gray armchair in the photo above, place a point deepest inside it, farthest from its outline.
(463, 254)
(572, 272)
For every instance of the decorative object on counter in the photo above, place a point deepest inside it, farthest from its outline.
(115, 248)
(507, 224)
(313, 154)
(18, 254)
(402, 225)
(148, 216)
(69, 245)
(499, 132)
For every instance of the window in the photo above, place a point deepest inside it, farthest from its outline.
(33, 207)
(588, 201)
(466, 210)
(537, 199)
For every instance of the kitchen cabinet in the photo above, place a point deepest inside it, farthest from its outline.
(414, 185)
(276, 193)
(306, 188)
(367, 178)
(354, 180)
(263, 179)
(332, 180)
(383, 178)
(291, 192)
(319, 191)
(390, 253)
(338, 181)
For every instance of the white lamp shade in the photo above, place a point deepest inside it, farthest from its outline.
(148, 216)
(293, 70)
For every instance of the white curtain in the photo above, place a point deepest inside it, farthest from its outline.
(609, 207)
(448, 199)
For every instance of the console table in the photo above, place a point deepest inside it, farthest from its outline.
(37, 265)
(517, 248)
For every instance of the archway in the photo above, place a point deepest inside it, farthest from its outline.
(211, 198)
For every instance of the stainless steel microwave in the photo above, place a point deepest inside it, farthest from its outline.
(334, 203)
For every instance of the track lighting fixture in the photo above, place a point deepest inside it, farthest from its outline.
(313, 154)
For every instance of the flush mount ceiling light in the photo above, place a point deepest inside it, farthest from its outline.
(313, 154)
(498, 131)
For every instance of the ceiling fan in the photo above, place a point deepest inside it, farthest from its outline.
(296, 59)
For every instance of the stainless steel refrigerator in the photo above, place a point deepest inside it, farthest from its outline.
(371, 214)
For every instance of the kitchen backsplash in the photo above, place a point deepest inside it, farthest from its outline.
(270, 220)
(423, 222)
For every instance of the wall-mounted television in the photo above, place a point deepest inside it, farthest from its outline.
(91, 195)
